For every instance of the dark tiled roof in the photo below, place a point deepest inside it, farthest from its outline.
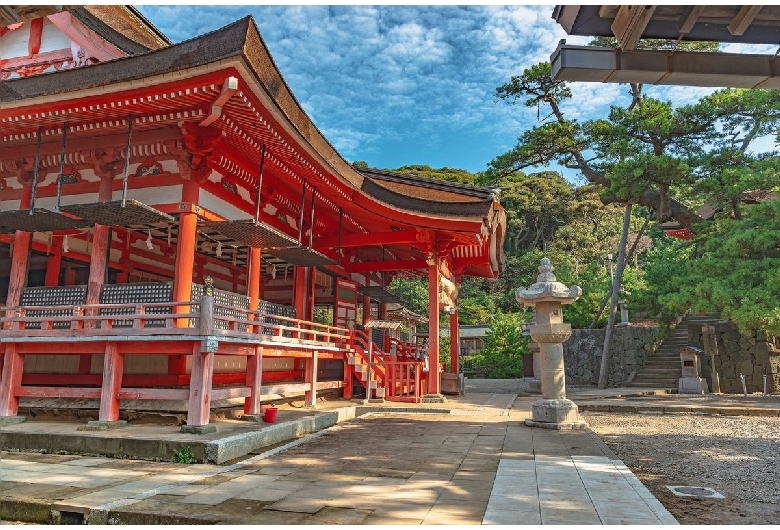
(430, 183)
(431, 196)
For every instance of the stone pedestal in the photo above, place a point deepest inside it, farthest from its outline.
(547, 296)
(535, 385)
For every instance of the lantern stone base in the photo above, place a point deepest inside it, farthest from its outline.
(692, 385)
(558, 414)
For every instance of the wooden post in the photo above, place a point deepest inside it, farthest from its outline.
(433, 326)
(366, 309)
(310, 397)
(113, 364)
(185, 249)
(454, 341)
(53, 264)
(13, 366)
(202, 374)
(200, 388)
(300, 291)
(253, 283)
(254, 380)
(185, 265)
(347, 394)
(100, 246)
(19, 261)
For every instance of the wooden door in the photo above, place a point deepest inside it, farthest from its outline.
(345, 303)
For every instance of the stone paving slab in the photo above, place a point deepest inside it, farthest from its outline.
(389, 468)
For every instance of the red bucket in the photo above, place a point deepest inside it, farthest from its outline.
(269, 415)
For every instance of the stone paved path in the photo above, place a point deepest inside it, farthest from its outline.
(478, 465)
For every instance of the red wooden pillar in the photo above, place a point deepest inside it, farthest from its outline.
(310, 397)
(185, 248)
(253, 279)
(434, 386)
(300, 291)
(13, 366)
(185, 265)
(347, 394)
(19, 261)
(100, 245)
(97, 275)
(454, 341)
(200, 387)
(53, 264)
(113, 364)
(366, 309)
(254, 380)
(312, 285)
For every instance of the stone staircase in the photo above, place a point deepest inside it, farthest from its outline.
(663, 370)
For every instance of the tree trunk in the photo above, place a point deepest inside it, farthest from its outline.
(604, 372)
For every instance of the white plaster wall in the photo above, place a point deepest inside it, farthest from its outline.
(213, 203)
(14, 43)
(52, 38)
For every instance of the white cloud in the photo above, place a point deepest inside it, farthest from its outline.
(397, 85)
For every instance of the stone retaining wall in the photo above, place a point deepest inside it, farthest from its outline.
(631, 346)
(752, 355)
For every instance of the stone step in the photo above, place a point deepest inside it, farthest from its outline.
(655, 385)
(658, 380)
(657, 376)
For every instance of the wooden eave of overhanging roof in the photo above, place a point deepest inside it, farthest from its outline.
(720, 23)
(236, 47)
(428, 195)
(123, 26)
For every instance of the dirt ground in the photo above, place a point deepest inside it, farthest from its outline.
(736, 456)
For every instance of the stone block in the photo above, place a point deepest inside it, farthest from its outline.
(554, 411)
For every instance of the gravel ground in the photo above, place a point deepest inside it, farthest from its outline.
(737, 456)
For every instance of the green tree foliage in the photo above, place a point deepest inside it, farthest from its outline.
(443, 173)
(694, 164)
(737, 271)
(504, 348)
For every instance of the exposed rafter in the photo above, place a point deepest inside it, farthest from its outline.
(630, 23)
(688, 19)
(743, 19)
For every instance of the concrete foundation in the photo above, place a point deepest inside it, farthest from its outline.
(198, 429)
(103, 425)
(11, 420)
(434, 398)
(559, 414)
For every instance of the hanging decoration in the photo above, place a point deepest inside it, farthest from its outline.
(219, 249)
(65, 247)
(149, 243)
(235, 254)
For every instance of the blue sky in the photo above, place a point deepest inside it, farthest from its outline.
(411, 84)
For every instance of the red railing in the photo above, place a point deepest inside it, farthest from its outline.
(150, 319)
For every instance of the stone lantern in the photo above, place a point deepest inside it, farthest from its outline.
(547, 296)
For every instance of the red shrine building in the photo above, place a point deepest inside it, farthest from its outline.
(170, 219)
